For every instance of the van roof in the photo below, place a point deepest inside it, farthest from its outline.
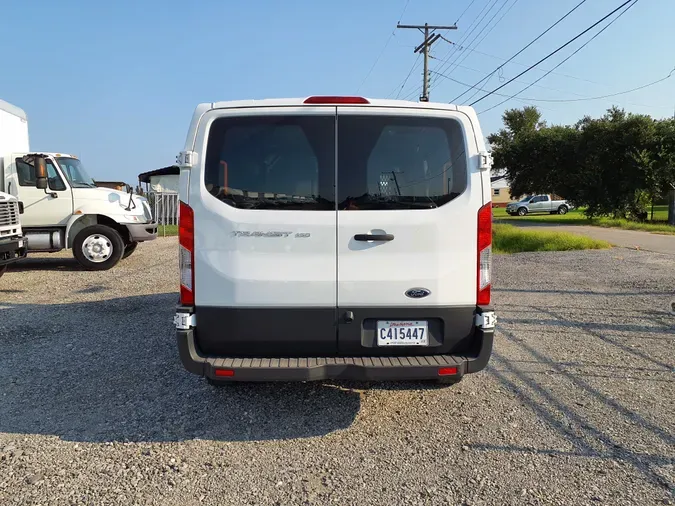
(281, 102)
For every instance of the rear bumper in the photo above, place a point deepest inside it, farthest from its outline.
(140, 232)
(375, 368)
(12, 250)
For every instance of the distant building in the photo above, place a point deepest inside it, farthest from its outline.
(501, 191)
(164, 180)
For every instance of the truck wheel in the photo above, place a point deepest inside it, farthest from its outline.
(129, 249)
(3, 269)
(98, 247)
(522, 211)
(562, 210)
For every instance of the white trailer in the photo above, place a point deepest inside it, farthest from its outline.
(63, 207)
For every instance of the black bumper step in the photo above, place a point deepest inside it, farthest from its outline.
(323, 368)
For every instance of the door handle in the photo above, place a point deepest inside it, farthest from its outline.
(374, 237)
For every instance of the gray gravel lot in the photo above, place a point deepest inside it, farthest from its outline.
(576, 406)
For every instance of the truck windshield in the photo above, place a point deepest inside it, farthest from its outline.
(74, 171)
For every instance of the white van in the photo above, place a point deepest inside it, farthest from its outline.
(334, 238)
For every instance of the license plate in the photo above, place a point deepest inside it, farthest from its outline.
(402, 333)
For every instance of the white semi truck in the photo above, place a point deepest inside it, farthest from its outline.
(62, 206)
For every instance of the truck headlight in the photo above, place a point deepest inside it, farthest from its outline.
(132, 217)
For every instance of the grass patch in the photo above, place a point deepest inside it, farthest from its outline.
(577, 217)
(510, 239)
(167, 230)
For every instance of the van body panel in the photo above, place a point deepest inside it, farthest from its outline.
(312, 223)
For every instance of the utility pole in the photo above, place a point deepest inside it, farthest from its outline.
(424, 47)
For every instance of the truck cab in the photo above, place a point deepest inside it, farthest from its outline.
(63, 207)
(334, 238)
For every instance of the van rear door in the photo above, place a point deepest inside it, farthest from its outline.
(408, 196)
(265, 232)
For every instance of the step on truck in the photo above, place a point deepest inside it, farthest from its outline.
(334, 238)
(63, 207)
(12, 241)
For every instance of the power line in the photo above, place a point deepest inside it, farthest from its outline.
(570, 56)
(464, 11)
(523, 49)
(457, 63)
(554, 52)
(405, 81)
(519, 63)
(473, 27)
(461, 57)
(562, 100)
(453, 50)
(391, 35)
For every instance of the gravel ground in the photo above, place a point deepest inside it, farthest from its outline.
(576, 406)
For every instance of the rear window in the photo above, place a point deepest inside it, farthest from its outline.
(392, 162)
(276, 162)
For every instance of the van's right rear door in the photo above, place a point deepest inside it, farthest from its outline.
(408, 199)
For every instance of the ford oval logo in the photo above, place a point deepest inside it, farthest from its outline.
(417, 293)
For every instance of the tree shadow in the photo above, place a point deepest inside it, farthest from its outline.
(109, 371)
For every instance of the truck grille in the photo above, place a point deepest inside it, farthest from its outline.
(9, 214)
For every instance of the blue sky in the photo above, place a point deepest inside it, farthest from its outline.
(116, 82)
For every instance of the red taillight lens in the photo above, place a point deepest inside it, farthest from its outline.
(224, 373)
(336, 100)
(484, 255)
(186, 241)
(447, 371)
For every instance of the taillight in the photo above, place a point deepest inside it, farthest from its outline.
(336, 100)
(186, 241)
(484, 255)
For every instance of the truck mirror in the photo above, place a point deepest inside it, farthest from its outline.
(41, 182)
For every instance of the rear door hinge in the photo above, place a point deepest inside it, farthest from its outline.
(186, 159)
(184, 321)
(485, 160)
(486, 320)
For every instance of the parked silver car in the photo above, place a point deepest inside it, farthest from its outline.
(538, 204)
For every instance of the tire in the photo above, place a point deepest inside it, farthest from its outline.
(562, 210)
(522, 211)
(98, 248)
(129, 249)
(3, 269)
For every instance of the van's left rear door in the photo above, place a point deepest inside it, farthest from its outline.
(265, 232)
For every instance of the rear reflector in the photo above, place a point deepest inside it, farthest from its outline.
(186, 253)
(336, 100)
(447, 371)
(484, 261)
(224, 373)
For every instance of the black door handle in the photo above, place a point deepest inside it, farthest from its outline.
(374, 237)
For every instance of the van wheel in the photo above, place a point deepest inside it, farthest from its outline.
(98, 247)
(129, 249)
(522, 211)
(3, 269)
(562, 210)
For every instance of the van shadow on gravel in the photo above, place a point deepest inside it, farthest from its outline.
(109, 371)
